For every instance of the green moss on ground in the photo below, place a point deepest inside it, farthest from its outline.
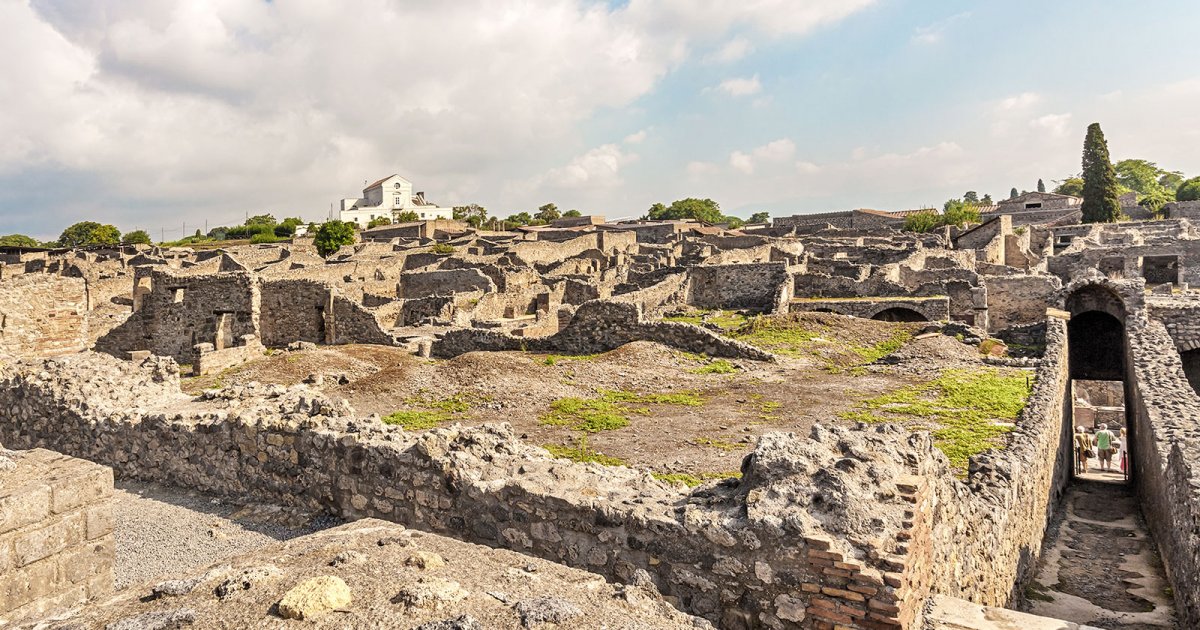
(716, 366)
(611, 410)
(427, 412)
(967, 409)
(692, 481)
(582, 453)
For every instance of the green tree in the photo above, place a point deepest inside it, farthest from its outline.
(760, 217)
(1070, 186)
(987, 200)
(705, 210)
(1041, 185)
(519, 219)
(474, 214)
(971, 196)
(408, 216)
(141, 237)
(547, 213)
(1100, 186)
(1013, 194)
(18, 240)
(734, 223)
(378, 221)
(262, 219)
(332, 235)
(287, 227)
(959, 212)
(923, 221)
(572, 213)
(1171, 180)
(87, 233)
(1188, 190)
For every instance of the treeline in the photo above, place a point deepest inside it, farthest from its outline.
(705, 210)
(82, 234)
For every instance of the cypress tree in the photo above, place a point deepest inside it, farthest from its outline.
(1100, 202)
(1041, 185)
(1012, 194)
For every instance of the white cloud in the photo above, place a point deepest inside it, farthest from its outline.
(741, 162)
(934, 33)
(1020, 101)
(731, 51)
(702, 169)
(636, 137)
(740, 86)
(1057, 125)
(598, 168)
(807, 168)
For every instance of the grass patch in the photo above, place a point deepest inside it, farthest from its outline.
(692, 481)
(417, 420)
(442, 248)
(611, 410)
(719, 443)
(1036, 591)
(428, 412)
(716, 366)
(780, 337)
(965, 408)
(882, 349)
(582, 454)
(555, 359)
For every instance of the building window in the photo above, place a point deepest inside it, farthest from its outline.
(1031, 206)
(178, 295)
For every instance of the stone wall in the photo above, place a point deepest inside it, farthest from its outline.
(293, 310)
(934, 308)
(761, 286)
(208, 359)
(600, 326)
(419, 284)
(56, 540)
(1019, 300)
(1165, 438)
(43, 315)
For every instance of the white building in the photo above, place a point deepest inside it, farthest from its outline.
(389, 197)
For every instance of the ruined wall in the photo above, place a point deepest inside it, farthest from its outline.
(1164, 436)
(987, 533)
(293, 310)
(787, 546)
(600, 326)
(934, 308)
(208, 359)
(56, 540)
(756, 285)
(1019, 300)
(182, 311)
(419, 284)
(43, 315)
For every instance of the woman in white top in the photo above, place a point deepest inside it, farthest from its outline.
(1121, 449)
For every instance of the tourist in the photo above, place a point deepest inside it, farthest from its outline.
(1104, 446)
(1083, 447)
(1122, 450)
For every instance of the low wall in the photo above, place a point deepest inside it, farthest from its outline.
(56, 540)
(933, 308)
(207, 359)
(789, 545)
(600, 326)
(419, 284)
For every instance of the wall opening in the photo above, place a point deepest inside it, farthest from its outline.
(1191, 367)
(899, 314)
(1160, 269)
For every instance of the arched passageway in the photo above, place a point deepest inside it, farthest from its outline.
(1096, 341)
(899, 314)
(1191, 367)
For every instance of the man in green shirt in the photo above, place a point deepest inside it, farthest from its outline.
(1104, 447)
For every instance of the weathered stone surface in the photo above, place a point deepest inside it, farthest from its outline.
(315, 597)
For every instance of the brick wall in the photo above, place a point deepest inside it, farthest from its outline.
(56, 540)
(43, 315)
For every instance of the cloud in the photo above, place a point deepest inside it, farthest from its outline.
(1057, 125)
(598, 168)
(636, 137)
(1020, 101)
(775, 151)
(731, 51)
(177, 108)
(934, 33)
(740, 86)
(698, 170)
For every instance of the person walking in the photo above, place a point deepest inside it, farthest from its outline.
(1123, 451)
(1104, 446)
(1083, 449)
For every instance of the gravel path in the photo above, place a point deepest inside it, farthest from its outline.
(162, 530)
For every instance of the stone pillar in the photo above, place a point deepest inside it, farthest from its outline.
(56, 534)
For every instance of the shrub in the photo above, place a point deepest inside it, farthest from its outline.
(332, 235)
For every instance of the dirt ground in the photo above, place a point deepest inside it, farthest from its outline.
(729, 403)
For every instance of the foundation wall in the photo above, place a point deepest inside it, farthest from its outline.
(56, 540)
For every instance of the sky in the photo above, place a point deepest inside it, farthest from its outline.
(169, 115)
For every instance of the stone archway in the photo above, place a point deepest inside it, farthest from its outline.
(899, 314)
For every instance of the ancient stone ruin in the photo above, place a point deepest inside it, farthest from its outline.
(823, 423)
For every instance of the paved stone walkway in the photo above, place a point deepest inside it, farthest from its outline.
(1099, 565)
